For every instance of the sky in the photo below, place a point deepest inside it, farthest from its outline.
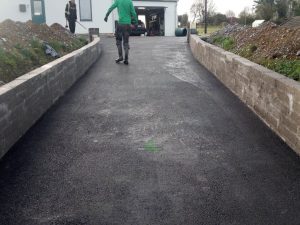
(222, 6)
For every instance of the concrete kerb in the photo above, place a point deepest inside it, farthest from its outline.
(24, 100)
(272, 96)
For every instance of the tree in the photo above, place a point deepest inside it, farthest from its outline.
(277, 9)
(198, 9)
(294, 8)
(264, 9)
(246, 17)
(230, 14)
(217, 19)
(183, 20)
(282, 7)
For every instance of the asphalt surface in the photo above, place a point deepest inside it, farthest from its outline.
(160, 141)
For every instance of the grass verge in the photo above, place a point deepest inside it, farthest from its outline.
(290, 68)
(210, 29)
(287, 67)
(21, 60)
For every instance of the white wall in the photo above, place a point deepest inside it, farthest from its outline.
(55, 13)
(170, 14)
(9, 9)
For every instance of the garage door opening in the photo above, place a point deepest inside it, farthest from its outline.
(153, 19)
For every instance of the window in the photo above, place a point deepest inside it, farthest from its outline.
(37, 8)
(85, 9)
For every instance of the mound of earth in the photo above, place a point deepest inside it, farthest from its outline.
(270, 41)
(293, 22)
(22, 49)
(266, 41)
(276, 47)
(17, 33)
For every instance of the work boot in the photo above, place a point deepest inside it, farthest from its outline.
(120, 59)
(126, 55)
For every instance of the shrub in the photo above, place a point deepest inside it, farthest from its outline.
(247, 51)
(290, 68)
(225, 42)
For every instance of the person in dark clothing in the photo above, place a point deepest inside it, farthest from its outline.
(71, 15)
(127, 17)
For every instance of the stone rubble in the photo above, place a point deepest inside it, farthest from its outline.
(21, 34)
(268, 40)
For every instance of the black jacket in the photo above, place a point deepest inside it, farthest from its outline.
(71, 11)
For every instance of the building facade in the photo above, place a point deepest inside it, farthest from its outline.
(160, 16)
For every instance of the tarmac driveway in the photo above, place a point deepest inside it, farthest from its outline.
(160, 141)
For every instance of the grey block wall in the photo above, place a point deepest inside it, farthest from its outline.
(24, 100)
(273, 97)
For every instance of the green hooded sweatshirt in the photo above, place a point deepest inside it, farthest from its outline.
(127, 14)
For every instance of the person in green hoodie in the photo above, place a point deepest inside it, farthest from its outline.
(127, 17)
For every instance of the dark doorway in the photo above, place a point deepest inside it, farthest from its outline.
(155, 19)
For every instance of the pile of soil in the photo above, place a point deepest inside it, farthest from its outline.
(269, 41)
(266, 41)
(272, 46)
(17, 33)
(22, 46)
(228, 30)
(294, 22)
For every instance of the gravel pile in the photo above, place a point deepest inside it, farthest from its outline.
(22, 46)
(270, 41)
(267, 40)
(226, 32)
(21, 34)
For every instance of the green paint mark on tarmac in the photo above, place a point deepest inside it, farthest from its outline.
(150, 146)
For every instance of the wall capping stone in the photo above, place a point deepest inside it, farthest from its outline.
(24, 100)
(272, 96)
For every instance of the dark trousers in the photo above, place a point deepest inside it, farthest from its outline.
(122, 34)
(72, 24)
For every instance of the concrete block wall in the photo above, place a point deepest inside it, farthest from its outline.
(273, 97)
(24, 100)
